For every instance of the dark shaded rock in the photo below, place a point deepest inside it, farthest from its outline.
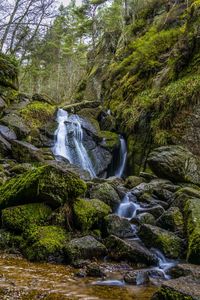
(137, 277)
(184, 194)
(26, 152)
(184, 270)
(133, 181)
(43, 184)
(2, 104)
(43, 98)
(183, 288)
(94, 270)
(175, 163)
(118, 226)
(130, 251)
(106, 193)
(146, 218)
(156, 211)
(172, 220)
(86, 247)
(5, 146)
(170, 244)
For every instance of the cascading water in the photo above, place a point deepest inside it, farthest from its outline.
(122, 158)
(69, 141)
(129, 209)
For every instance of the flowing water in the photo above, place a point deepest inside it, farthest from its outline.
(129, 209)
(69, 141)
(22, 280)
(122, 158)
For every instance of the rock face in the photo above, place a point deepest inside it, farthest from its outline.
(25, 152)
(47, 184)
(175, 163)
(170, 244)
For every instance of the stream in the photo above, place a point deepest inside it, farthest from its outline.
(23, 280)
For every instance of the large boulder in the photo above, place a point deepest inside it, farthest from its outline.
(16, 123)
(7, 133)
(175, 163)
(183, 288)
(118, 226)
(192, 216)
(166, 241)
(5, 146)
(84, 248)
(129, 250)
(89, 213)
(106, 193)
(19, 218)
(43, 184)
(45, 243)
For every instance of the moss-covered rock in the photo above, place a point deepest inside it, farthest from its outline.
(43, 184)
(9, 71)
(106, 193)
(89, 213)
(146, 218)
(118, 226)
(110, 140)
(84, 248)
(133, 181)
(19, 218)
(192, 216)
(45, 243)
(26, 152)
(172, 220)
(170, 244)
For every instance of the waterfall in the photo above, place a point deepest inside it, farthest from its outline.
(69, 141)
(122, 158)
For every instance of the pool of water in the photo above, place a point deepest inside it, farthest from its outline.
(20, 279)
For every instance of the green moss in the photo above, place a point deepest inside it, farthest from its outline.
(9, 71)
(43, 184)
(110, 139)
(19, 218)
(89, 214)
(44, 242)
(38, 114)
(166, 293)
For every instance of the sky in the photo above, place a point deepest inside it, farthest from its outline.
(66, 2)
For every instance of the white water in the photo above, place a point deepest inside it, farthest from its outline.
(69, 141)
(122, 158)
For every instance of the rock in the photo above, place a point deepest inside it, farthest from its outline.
(19, 218)
(156, 211)
(170, 244)
(7, 133)
(184, 269)
(13, 121)
(5, 147)
(118, 226)
(101, 159)
(106, 193)
(147, 176)
(129, 250)
(192, 216)
(26, 152)
(94, 270)
(2, 104)
(183, 288)
(43, 184)
(137, 277)
(74, 108)
(133, 181)
(110, 140)
(172, 220)
(175, 163)
(90, 213)
(146, 218)
(182, 195)
(45, 243)
(43, 98)
(86, 247)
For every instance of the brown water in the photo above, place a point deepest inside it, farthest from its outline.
(20, 279)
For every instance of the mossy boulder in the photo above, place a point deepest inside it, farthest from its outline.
(86, 247)
(183, 288)
(17, 124)
(106, 193)
(118, 226)
(146, 218)
(185, 193)
(133, 181)
(192, 216)
(47, 184)
(171, 245)
(175, 163)
(45, 243)
(89, 213)
(129, 250)
(19, 218)
(26, 152)
(172, 220)
(110, 140)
